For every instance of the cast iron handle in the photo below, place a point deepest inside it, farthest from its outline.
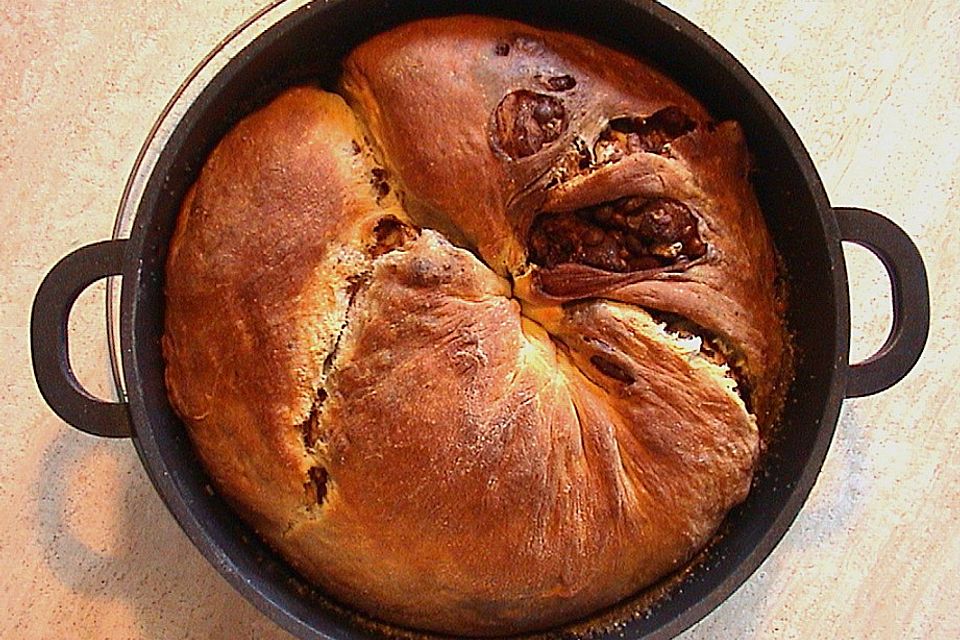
(48, 340)
(911, 300)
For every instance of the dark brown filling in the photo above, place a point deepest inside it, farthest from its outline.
(608, 367)
(625, 136)
(525, 122)
(390, 233)
(620, 138)
(379, 182)
(624, 235)
(317, 485)
(310, 429)
(560, 83)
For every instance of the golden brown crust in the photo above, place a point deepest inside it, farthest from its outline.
(258, 279)
(428, 443)
(481, 483)
(733, 292)
(430, 92)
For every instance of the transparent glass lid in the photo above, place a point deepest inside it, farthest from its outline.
(186, 93)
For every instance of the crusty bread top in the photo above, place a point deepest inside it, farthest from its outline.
(431, 92)
(456, 438)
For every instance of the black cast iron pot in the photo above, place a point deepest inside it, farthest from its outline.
(306, 44)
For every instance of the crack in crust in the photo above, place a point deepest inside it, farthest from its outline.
(310, 429)
(611, 369)
(390, 235)
(623, 235)
(628, 135)
(621, 137)
(715, 348)
(317, 485)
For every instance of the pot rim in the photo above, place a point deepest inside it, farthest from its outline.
(163, 127)
(250, 37)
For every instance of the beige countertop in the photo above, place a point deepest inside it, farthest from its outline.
(873, 88)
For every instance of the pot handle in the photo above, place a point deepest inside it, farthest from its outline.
(911, 300)
(48, 340)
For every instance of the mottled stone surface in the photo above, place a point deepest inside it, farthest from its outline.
(89, 551)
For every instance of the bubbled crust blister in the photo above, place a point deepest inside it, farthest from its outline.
(471, 442)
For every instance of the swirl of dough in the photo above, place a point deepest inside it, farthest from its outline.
(490, 344)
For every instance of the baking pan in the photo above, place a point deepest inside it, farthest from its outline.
(284, 45)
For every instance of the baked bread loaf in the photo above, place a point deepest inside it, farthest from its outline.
(489, 342)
